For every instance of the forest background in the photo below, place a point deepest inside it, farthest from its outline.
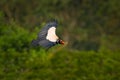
(91, 29)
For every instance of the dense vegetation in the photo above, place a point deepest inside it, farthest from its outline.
(91, 29)
(62, 65)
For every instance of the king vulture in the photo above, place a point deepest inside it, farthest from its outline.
(47, 36)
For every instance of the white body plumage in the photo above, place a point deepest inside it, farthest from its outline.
(51, 35)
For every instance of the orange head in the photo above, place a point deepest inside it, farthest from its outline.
(59, 41)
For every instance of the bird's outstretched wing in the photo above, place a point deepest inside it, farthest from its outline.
(43, 33)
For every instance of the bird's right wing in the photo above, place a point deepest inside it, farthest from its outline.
(46, 44)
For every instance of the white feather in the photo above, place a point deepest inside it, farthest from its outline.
(51, 36)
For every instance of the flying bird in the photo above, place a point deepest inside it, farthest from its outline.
(47, 36)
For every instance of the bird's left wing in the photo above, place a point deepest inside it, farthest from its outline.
(44, 31)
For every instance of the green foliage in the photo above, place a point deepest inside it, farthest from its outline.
(12, 37)
(62, 65)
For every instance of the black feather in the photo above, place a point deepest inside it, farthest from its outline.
(46, 44)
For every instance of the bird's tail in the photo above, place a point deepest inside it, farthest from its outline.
(34, 42)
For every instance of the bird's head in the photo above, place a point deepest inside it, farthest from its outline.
(59, 41)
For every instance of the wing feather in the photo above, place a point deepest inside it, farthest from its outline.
(43, 33)
(46, 44)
